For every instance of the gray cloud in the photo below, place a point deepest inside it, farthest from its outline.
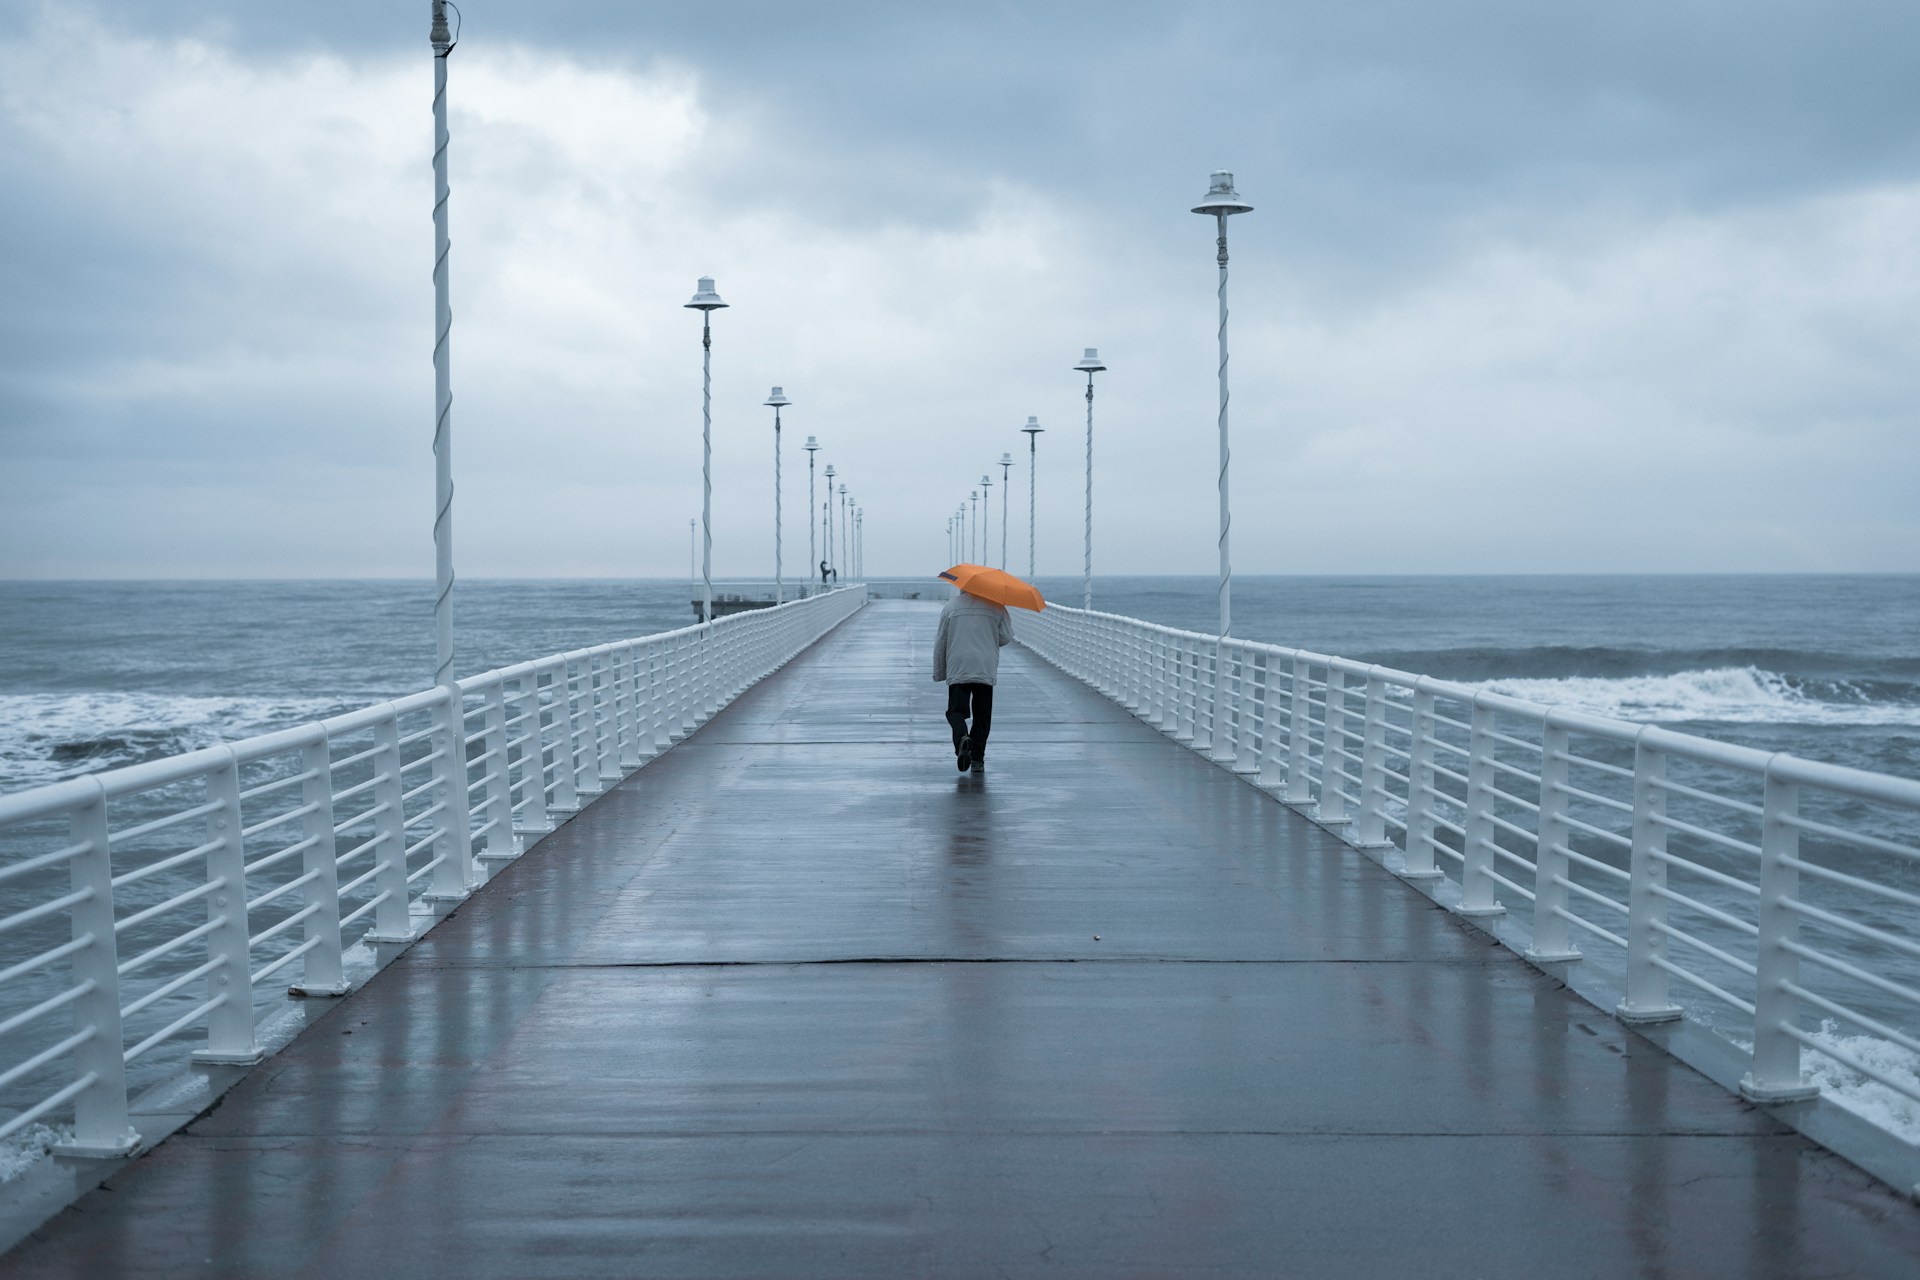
(1529, 287)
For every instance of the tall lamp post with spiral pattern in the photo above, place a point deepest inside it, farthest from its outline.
(1221, 203)
(706, 302)
(1089, 365)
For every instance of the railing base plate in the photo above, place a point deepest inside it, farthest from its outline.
(103, 1149)
(208, 1058)
(1635, 1017)
(301, 991)
(1551, 957)
(1774, 1097)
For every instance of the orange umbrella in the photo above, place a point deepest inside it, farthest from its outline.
(995, 585)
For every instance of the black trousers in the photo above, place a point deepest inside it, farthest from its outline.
(970, 700)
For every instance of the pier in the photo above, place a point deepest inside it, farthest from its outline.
(796, 999)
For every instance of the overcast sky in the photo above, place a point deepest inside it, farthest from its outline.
(1530, 286)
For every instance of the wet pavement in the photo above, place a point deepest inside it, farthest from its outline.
(798, 999)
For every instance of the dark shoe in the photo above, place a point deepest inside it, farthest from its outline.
(979, 761)
(963, 759)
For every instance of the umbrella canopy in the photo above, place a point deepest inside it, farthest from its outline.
(996, 585)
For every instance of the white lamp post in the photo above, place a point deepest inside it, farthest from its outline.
(693, 553)
(778, 400)
(1006, 483)
(442, 365)
(846, 537)
(973, 530)
(1089, 365)
(826, 519)
(1033, 430)
(706, 302)
(1222, 202)
(986, 501)
(813, 555)
(860, 543)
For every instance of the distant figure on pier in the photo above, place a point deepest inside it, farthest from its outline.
(823, 572)
(966, 655)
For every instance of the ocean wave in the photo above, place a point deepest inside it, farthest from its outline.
(1727, 695)
(1861, 1094)
(47, 737)
(1893, 673)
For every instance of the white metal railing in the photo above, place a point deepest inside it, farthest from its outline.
(1775, 891)
(151, 901)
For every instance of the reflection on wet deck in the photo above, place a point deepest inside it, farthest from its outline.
(798, 999)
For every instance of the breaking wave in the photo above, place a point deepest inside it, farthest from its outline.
(47, 737)
(1728, 695)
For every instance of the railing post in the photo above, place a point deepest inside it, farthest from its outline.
(1272, 756)
(1551, 938)
(1225, 704)
(1371, 830)
(627, 706)
(1476, 844)
(321, 973)
(1185, 689)
(566, 746)
(1418, 863)
(230, 1023)
(392, 919)
(1153, 679)
(1206, 695)
(1647, 999)
(100, 1124)
(501, 846)
(1244, 758)
(1774, 1075)
(583, 711)
(454, 878)
(1333, 739)
(709, 685)
(1299, 728)
(659, 699)
(532, 820)
(609, 719)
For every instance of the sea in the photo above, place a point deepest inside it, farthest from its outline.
(96, 675)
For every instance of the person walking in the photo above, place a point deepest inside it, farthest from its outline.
(966, 656)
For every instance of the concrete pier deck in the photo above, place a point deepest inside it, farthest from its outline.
(799, 1000)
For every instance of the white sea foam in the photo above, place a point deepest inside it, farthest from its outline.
(1888, 1108)
(19, 1152)
(45, 737)
(1730, 695)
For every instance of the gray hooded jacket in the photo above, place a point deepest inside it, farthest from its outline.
(966, 650)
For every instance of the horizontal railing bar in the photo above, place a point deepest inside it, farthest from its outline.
(43, 861)
(1747, 927)
(1724, 957)
(49, 1005)
(1718, 877)
(1704, 833)
(267, 824)
(1687, 975)
(174, 903)
(272, 860)
(274, 966)
(167, 988)
(1839, 966)
(161, 824)
(1591, 895)
(45, 958)
(173, 1028)
(1582, 922)
(279, 784)
(47, 1055)
(138, 874)
(45, 909)
(168, 947)
(41, 1108)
